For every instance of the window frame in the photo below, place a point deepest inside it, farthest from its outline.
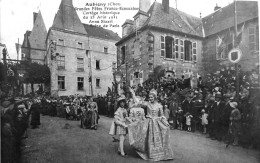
(106, 50)
(59, 42)
(61, 82)
(98, 81)
(60, 61)
(98, 67)
(80, 80)
(80, 68)
(78, 45)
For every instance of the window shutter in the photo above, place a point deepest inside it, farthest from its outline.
(182, 49)
(194, 51)
(252, 38)
(162, 46)
(176, 48)
(173, 49)
(217, 50)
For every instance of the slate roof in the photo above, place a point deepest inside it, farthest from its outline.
(39, 33)
(67, 18)
(100, 32)
(224, 17)
(175, 20)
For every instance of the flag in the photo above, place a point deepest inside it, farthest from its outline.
(239, 35)
(220, 46)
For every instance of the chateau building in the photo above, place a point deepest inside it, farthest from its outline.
(83, 57)
(183, 44)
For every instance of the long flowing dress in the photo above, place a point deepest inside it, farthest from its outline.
(151, 137)
(92, 116)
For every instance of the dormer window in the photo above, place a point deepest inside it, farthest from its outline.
(61, 42)
(80, 45)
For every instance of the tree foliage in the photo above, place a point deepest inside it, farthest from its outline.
(158, 72)
(37, 73)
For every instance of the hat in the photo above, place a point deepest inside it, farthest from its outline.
(121, 98)
(153, 92)
(203, 110)
(5, 104)
(218, 95)
(21, 106)
(233, 104)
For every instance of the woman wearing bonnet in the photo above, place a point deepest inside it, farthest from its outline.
(153, 128)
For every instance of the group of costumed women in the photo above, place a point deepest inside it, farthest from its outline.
(148, 134)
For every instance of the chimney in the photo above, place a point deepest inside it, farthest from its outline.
(67, 2)
(165, 4)
(34, 17)
(144, 5)
(216, 7)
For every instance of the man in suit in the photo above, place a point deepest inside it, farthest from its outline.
(187, 106)
(218, 107)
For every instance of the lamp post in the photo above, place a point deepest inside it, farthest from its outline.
(117, 78)
(54, 67)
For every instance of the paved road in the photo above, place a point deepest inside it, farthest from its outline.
(54, 144)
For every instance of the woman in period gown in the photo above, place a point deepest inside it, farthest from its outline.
(150, 137)
(92, 115)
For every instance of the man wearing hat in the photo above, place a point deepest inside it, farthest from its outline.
(120, 119)
(225, 116)
(217, 112)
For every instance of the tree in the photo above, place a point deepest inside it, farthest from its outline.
(36, 74)
(158, 72)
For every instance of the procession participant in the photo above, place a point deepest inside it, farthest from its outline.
(173, 107)
(225, 118)
(92, 115)
(234, 127)
(35, 114)
(136, 111)
(110, 110)
(155, 129)
(120, 119)
(217, 112)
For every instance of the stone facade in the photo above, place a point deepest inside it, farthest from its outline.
(79, 55)
(184, 44)
(250, 50)
(146, 45)
(220, 37)
(144, 54)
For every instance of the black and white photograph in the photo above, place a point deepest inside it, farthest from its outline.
(119, 81)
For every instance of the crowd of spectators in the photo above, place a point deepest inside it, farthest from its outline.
(15, 115)
(211, 105)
